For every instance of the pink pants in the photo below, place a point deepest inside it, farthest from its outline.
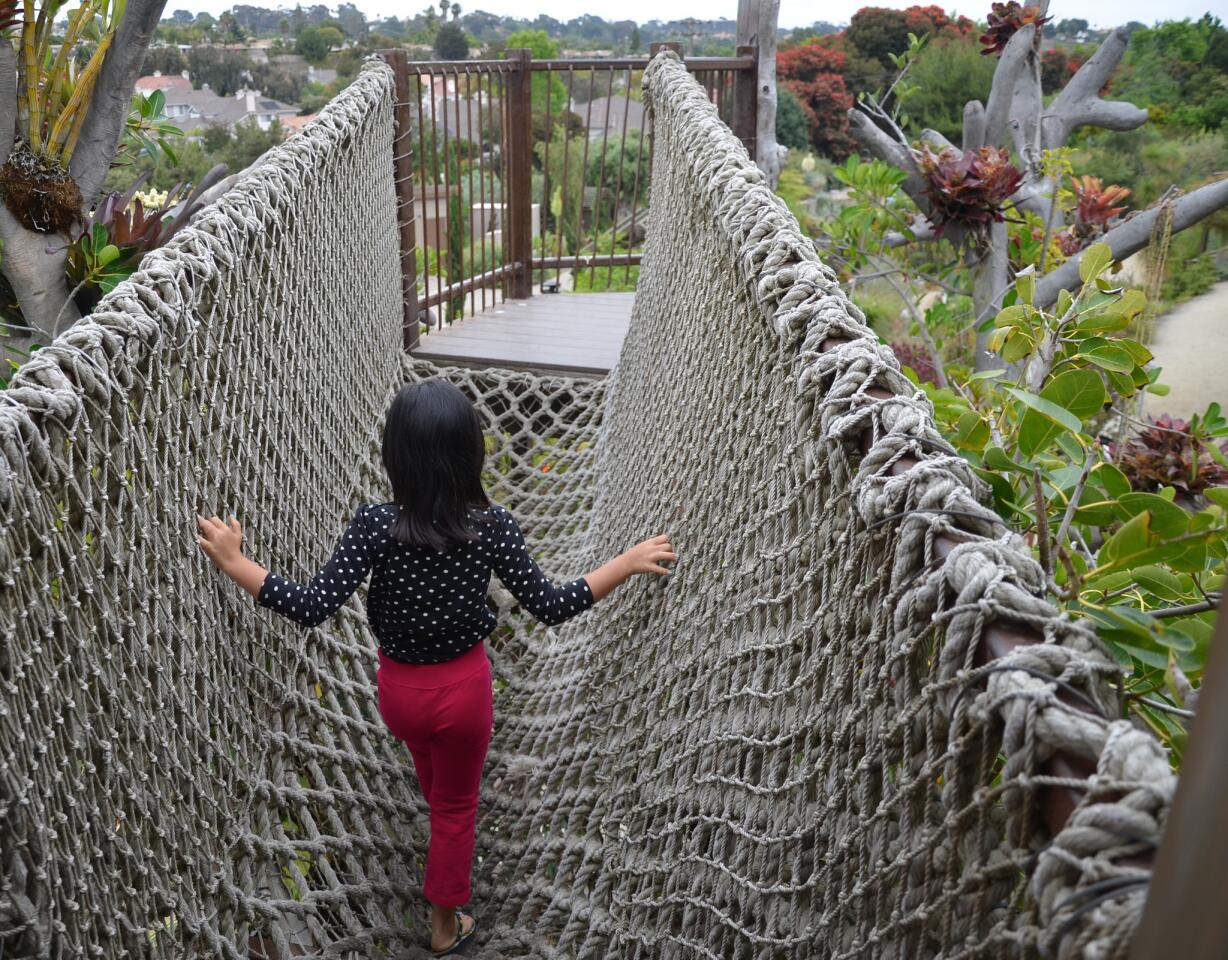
(443, 712)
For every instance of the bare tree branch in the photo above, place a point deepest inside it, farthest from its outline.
(1133, 235)
(112, 97)
(1079, 102)
(1025, 114)
(974, 125)
(1010, 65)
(936, 141)
(921, 230)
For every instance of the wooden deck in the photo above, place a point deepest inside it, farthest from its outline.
(574, 333)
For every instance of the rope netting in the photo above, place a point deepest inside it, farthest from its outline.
(787, 749)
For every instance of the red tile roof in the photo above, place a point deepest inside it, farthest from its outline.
(170, 81)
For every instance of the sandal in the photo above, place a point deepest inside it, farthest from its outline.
(461, 936)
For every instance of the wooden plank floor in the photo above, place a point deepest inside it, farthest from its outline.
(575, 333)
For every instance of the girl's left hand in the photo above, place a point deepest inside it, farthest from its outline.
(222, 542)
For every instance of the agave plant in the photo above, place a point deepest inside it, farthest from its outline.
(969, 188)
(121, 230)
(1004, 21)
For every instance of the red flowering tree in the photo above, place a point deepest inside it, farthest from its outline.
(815, 75)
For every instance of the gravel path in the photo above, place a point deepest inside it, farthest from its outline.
(1191, 344)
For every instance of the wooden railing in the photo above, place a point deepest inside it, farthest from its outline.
(521, 175)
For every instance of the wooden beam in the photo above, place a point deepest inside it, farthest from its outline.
(520, 182)
(403, 173)
(655, 48)
(1184, 916)
(746, 99)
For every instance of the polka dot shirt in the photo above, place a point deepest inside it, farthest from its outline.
(425, 606)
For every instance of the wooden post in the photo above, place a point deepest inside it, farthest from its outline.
(746, 100)
(655, 48)
(403, 172)
(520, 185)
(757, 21)
(1184, 916)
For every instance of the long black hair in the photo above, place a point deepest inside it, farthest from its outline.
(433, 452)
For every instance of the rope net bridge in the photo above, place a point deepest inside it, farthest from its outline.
(789, 749)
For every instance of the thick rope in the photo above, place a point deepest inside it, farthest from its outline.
(787, 749)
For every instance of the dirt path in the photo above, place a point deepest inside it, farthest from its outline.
(1191, 344)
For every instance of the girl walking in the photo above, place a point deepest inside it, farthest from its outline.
(432, 550)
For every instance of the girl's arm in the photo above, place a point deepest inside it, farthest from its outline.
(645, 557)
(223, 544)
(309, 604)
(555, 604)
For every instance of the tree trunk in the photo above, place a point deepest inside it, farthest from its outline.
(990, 278)
(38, 280)
(36, 276)
(756, 27)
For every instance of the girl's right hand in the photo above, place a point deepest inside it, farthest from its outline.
(648, 556)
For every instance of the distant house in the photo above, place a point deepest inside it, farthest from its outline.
(193, 109)
(165, 83)
(605, 115)
(324, 75)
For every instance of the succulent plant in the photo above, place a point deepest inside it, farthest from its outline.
(1168, 452)
(1096, 201)
(967, 188)
(121, 230)
(1004, 21)
(915, 355)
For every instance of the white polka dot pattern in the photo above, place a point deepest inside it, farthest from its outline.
(425, 606)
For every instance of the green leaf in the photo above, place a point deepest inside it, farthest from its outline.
(107, 254)
(1175, 640)
(1113, 480)
(1159, 581)
(971, 431)
(1018, 345)
(1079, 391)
(1064, 301)
(1047, 408)
(1167, 519)
(1137, 351)
(997, 459)
(1012, 316)
(1026, 285)
(1151, 658)
(1095, 258)
(1102, 323)
(1072, 447)
(1004, 493)
(1123, 384)
(987, 374)
(1129, 540)
(1097, 513)
(1110, 358)
(1037, 432)
(1217, 495)
(1132, 303)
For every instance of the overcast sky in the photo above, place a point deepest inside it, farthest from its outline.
(793, 13)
